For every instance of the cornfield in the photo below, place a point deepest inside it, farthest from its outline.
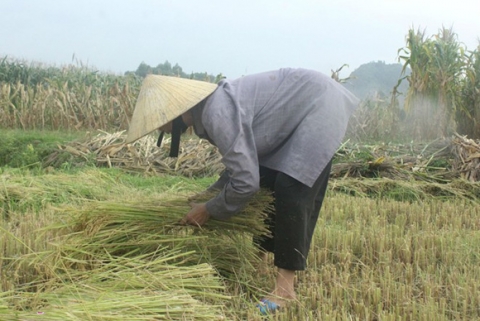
(68, 98)
(443, 88)
(442, 98)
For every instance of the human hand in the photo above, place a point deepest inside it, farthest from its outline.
(198, 215)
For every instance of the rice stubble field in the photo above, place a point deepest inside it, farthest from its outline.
(103, 244)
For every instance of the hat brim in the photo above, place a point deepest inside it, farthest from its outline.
(162, 99)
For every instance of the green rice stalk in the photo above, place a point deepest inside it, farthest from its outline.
(142, 246)
(138, 228)
(84, 302)
(135, 276)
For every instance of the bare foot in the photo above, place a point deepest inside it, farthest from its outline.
(281, 298)
(284, 288)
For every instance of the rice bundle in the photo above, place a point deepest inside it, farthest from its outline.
(3, 304)
(154, 215)
(36, 191)
(137, 288)
(124, 289)
(142, 227)
(90, 304)
(408, 190)
(134, 261)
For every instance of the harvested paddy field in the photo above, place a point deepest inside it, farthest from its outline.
(102, 242)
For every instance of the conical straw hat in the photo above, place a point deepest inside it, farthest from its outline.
(162, 99)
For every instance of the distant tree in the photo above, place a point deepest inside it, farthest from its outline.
(203, 76)
(219, 77)
(178, 71)
(166, 69)
(143, 70)
(163, 69)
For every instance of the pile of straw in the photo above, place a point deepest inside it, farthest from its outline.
(467, 153)
(143, 227)
(132, 260)
(424, 162)
(402, 190)
(118, 288)
(197, 157)
(438, 161)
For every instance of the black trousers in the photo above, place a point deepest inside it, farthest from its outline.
(293, 221)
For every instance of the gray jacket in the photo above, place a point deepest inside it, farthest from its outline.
(290, 120)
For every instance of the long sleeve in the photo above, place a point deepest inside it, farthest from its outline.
(220, 183)
(290, 120)
(225, 126)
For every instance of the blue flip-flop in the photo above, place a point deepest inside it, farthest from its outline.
(266, 307)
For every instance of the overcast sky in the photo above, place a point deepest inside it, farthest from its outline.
(220, 36)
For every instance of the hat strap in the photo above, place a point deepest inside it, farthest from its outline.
(160, 138)
(178, 128)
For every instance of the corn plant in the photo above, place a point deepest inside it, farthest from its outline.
(68, 98)
(437, 65)
(469, 115)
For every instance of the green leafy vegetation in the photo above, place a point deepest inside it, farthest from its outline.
(30, 148)
(440, 93)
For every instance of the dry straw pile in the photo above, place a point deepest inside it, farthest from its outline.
(468, 158)
(68, 258)
(440, 160)
(85, 245)
(442, 168)
(196, 157)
